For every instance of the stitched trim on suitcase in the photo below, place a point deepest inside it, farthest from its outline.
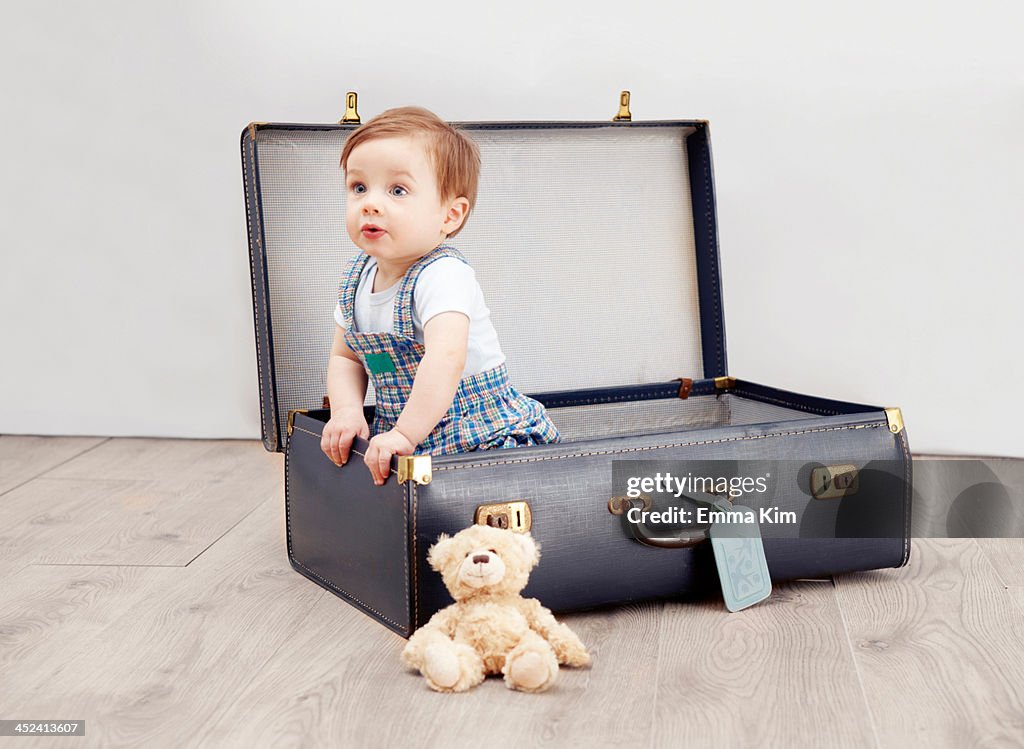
(252, 275)
(907, 497)
(712, 252)
(743, 393)
(645, 448)
(348, 596)
(276, 422)
(415, 560)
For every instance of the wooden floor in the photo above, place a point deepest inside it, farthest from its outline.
(145, 588)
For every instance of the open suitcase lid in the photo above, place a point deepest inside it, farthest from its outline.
(595, 243)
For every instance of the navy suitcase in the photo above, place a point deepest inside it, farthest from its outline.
(596, 247)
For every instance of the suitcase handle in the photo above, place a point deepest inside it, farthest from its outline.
(667, 542)
(639, 532)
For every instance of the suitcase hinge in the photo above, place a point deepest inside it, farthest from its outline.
(895, 419)
(685, 386)
(624, 114)
(515, 516)
(414, 467)
(291, 418)
(351, 116)
(725, 383)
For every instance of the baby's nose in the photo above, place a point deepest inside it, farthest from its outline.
(481, 559)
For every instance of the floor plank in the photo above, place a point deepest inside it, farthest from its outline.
(48, 613)
(167, 520)
(147, 459)
(157, 673)
(1007, 558)
(974, 498)
(939, 648)
(1016, 594)
(24, 458)
(320, 687)
(777, 674)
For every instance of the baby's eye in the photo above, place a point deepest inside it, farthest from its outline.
(398, 191)
(358, 188)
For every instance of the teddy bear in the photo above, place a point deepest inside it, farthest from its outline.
(490, 629)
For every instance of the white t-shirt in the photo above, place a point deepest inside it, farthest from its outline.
(446, 285)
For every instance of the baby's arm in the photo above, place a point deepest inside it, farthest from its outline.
(446, 338)
(346, 388)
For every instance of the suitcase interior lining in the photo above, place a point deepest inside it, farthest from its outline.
(549, 240)
(634, 418)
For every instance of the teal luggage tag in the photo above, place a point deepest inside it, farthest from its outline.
(739, 556)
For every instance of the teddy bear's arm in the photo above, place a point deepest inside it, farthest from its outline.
(438, 629)
(568, 647)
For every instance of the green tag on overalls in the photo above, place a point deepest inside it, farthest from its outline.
(380, 363)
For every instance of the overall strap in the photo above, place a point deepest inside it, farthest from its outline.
(348, 286)
(402, 324)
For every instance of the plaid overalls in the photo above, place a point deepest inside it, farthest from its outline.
(487, 411)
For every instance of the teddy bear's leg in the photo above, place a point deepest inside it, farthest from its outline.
(452, 666)
(569, 649)
(531, 666)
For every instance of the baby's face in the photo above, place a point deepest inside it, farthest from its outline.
(394, 210)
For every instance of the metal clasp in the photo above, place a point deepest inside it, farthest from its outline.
(624, 114)
(351, 116)
(291, 418)
(834, 482)
(515, 516)
(414, 467)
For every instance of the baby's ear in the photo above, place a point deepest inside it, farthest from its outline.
(438, 555)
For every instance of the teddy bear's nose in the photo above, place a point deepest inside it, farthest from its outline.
(481, 559)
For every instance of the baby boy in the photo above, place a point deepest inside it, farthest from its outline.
(411, 315)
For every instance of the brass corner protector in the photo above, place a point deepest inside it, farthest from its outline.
(415, 468)
(624, 114)
(725, 383)
(685, 386)
(291, 418)
(351, 116)
(894, 417)
(252, 130)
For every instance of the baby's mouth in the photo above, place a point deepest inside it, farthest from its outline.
(372, 232)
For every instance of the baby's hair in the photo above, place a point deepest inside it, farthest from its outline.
(456, 158)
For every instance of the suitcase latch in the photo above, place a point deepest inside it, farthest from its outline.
(515, 516)
(834, 482)
(414, 467)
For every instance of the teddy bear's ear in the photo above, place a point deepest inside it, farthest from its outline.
(528, 546)
(437, 557)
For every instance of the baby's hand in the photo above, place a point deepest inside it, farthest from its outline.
(382, 447)
(343, 427)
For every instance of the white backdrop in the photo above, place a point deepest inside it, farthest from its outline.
(869, 160)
